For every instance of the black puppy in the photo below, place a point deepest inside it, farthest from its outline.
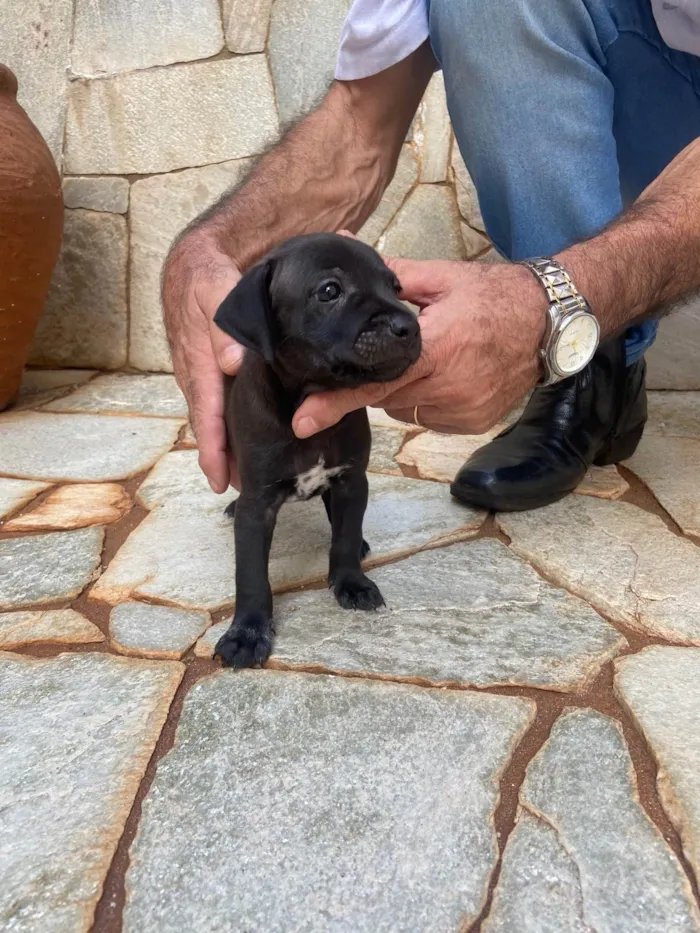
(319, 312)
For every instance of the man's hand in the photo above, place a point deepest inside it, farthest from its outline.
(196, 279)
(328, 171)
(481, 327)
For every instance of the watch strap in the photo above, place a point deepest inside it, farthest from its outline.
(564, 299)
(556, 281)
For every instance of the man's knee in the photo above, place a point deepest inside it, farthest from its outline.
(497, 34)
(466, 25)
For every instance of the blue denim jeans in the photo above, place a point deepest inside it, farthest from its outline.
(564, 111)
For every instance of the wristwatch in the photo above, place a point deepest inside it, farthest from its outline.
(572, 333)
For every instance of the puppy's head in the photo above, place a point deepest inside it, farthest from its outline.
(324, 309)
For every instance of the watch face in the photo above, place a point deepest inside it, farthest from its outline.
(576, 344)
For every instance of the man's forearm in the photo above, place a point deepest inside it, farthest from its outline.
(329, 171)
(318, 177)
(649, 258)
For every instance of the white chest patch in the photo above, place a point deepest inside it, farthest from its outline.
(315, 480)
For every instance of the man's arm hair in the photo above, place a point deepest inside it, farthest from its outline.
(329, 171)
(647, 262)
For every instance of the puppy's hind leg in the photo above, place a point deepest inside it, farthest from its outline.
(248, 641)
(348, 501)
(326, 496)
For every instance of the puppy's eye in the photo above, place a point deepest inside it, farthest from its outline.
(329, 291)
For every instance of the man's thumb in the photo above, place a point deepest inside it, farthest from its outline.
(324, 409)
(423, 282)
(228, 353)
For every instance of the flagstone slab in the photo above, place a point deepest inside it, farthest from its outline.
(467, 614)
(363, 806)
(475, 243)
(386, 443)
(404, 179)
(97, 193)
(177, 555)
(539, 887)
(440, 457)
(380, 419)
(426, 227)
(672, 362)
(467, 198)
(16, 493)
(75, 506)
(432, 132)
(204, 647)
(154, 394)
(77, 733)
(41, 386)
(183, 552)
(40, 569)
(302, 49)
(50, 625)
(581, 787)
(673, 414)
(177, 478)
(621, 559)
(111, 36)
(660, 686)
(163, 119)
(603, 483)
(670, 467)
(161, 207)
(155, 631)
(42, 380)
(35, 401)
(82, 448)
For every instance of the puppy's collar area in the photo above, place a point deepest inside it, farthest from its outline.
(339, 375)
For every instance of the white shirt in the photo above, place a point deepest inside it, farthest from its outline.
(679, 23)
(379, 33)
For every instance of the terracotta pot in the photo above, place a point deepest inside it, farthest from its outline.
(31, 223)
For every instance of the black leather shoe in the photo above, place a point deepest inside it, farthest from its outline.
(597, 416)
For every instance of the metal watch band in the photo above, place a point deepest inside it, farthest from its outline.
(564, 299)
(556, 281)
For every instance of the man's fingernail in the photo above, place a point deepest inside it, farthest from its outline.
(231, 356)
(214, 487)
(306, 427)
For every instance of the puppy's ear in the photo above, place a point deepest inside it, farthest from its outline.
(246, 314)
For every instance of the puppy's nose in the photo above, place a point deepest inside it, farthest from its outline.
(403, 324)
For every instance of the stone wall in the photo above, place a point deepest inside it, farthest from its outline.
(154, 109)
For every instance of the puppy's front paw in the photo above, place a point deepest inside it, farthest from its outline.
(247, 643)
(354, 590)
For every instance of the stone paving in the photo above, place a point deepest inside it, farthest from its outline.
(512, 745)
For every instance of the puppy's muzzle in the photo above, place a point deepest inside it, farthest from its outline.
(389, 337)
